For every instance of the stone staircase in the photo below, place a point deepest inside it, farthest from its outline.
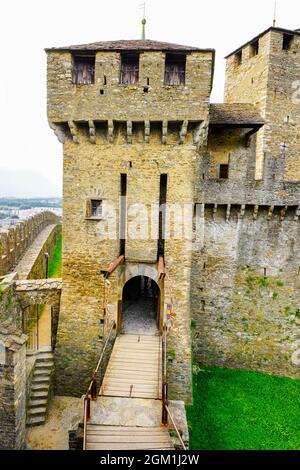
(40, 388)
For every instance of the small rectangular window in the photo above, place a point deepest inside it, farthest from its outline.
(129, 69)
(83, 70)
(224, 171)
(175, 69)
(238, 58)
(254, 48)
(287, 41)
(94, 209)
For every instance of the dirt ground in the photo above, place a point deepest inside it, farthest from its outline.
(53, 435)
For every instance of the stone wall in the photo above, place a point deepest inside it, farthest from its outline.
(67, 101)
(94, 171)
(268, 81)
(12, 371)
(14, 240)
(38, 269)
(245, 290)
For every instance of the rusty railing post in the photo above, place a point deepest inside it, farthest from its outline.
(88, 407)
(164, 418)
(94, 388)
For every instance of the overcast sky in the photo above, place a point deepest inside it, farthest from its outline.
(27, 144)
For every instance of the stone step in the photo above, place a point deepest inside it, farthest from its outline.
(44, 356)
(35, 420)
(40, 372)
(37, 411)
(39, 394)
(38, 380)
(36, 403)
(40, 386)
(44, 364)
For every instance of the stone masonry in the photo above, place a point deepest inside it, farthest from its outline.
(235, 282)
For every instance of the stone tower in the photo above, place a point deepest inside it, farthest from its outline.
(265, 72)
(133, 118)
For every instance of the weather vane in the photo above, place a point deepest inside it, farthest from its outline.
(143, 7)
(275, 13)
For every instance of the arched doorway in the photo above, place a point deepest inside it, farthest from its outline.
(140, 306)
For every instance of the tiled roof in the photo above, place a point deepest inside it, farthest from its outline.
(129, 45)
(235, 114)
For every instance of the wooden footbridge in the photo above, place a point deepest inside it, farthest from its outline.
(136, 370)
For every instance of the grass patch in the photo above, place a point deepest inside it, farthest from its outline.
(54, 269)
(241, 410)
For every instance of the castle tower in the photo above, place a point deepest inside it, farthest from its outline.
(132, 117)
(265, 72)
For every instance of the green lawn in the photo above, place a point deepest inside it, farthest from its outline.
(243, 410)
(54, 269)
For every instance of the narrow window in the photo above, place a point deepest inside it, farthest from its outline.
(175, 69)
(129, 69)
(123, 213)
(83, 70)
(94, 209)
(162, 213)
(254, 48)
(224, 171)
(238, 58)
(287, 41)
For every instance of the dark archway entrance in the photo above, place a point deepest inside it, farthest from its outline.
(140, 306)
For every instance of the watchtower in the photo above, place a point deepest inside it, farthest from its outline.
(132, 117)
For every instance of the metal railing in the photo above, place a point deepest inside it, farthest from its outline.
(92, 391)
(166, 414)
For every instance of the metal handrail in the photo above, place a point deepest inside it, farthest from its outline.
(91, 393)
(175, 427)
(165, 402)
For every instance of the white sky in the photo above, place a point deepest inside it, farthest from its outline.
(28, 26)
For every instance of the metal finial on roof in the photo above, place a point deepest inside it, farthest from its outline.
(143, 6)
(275, 14)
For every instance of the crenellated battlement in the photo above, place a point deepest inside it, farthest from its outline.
(14, 240)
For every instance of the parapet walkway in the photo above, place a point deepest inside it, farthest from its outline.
(26, 263)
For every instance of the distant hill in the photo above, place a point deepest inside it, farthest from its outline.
(24, 183)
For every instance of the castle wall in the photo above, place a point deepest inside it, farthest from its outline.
(245, 291)
(270, 81)
(247, 83)
(67, 101)
(12, 371)
(93, 171)
(16, 239)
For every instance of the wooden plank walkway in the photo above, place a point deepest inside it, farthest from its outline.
(134, 371)
(134, 368)
(127, 438)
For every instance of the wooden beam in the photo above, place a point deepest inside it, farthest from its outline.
(113, 266)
